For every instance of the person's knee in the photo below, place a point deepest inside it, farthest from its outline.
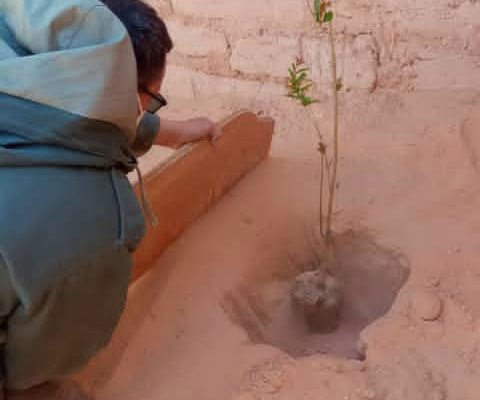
(66, 328)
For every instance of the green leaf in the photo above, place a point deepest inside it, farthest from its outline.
(291, 73)
(328, 16)
(306, 100)
(299, 81)
(317, 7)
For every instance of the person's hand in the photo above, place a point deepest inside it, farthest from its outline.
(175, 134)
(199, 128)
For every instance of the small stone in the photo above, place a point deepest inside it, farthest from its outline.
(361, 348)
(433, 281)
(427, 305)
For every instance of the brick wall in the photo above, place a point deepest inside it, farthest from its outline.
(242, 49)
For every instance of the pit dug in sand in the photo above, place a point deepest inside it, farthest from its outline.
(371, 277)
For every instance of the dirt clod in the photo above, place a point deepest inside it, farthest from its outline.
(427, 305)
(318, 296)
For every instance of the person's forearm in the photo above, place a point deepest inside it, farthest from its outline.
(170, 134)
(177, 133)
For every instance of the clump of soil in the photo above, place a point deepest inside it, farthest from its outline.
(318, 296)
(371, 277)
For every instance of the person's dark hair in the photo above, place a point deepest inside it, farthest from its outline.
(149, 36)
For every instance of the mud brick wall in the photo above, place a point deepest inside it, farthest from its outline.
(242, 49)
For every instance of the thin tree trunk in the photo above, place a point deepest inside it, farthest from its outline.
(333, 181)
(322, 173)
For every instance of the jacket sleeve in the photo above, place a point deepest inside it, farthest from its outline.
(147, 131)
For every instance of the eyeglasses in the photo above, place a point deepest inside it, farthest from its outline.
(157, 101)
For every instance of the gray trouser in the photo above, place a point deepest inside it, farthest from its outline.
(61, 332)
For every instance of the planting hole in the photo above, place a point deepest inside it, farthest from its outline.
(371, 277)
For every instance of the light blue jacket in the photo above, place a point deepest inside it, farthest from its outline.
(67, 127)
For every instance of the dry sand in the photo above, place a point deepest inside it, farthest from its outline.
(212, 321)
(408, 198)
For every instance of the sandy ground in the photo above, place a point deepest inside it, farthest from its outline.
(409, 192)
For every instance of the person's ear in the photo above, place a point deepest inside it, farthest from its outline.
(156, 84)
